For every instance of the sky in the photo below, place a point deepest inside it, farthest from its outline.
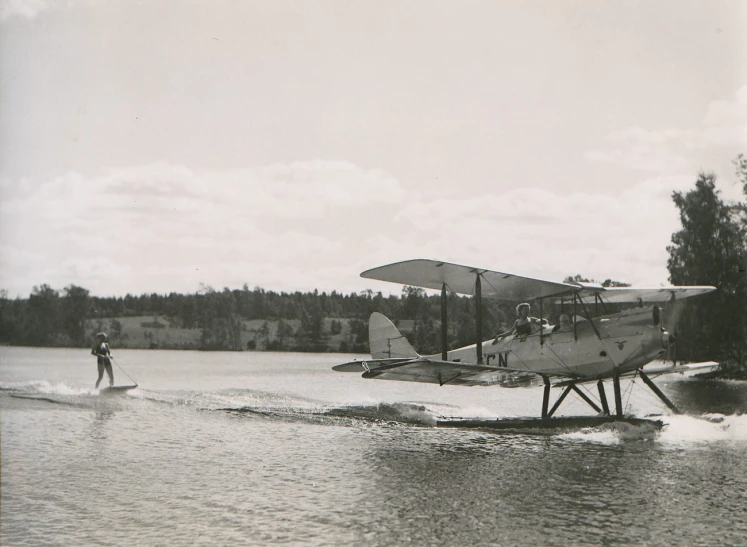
(168, 145)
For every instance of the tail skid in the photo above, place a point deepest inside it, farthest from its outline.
(386, 341)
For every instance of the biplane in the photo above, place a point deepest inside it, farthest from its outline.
(592, 347)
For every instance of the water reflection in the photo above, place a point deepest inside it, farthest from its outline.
(709, 396)
(98, 428)
(515, 490)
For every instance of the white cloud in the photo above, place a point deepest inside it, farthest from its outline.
(305, 225)
(21, 8)
(551, 235)
(168, 227)
(670, 150)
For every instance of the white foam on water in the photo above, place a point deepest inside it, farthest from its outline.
(592, 434)
(48, 388)
(707, 428)
(678, 430)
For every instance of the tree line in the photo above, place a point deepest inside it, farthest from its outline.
(68, 317)
(709, 249)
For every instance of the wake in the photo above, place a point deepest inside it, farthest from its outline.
(678, 430)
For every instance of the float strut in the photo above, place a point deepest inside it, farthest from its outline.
(618, 396)
(583, 395)
(658, 392)
(546, 397)
(603, 398)
(560, 400)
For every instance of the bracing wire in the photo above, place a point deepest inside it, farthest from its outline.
(629, 391)
(652, 399)
(123, 370)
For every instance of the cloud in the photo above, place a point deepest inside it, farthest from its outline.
(27, 9)
(168, 227)
(163, 227)
(551, 234)
(670, 150)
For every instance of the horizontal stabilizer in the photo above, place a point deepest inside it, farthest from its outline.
(361, 365)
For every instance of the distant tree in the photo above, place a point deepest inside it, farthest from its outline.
(613, 283)
(218, 320)
(358, 336)
(741, 165)
(263, 335)
(284, 332)
(578, 278)
(42, 321)
(413, 298)
(9, 326)
(335, 326)
(710, 249)
(75, 310)
(116, 331)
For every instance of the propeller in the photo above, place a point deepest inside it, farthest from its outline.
(674, 310)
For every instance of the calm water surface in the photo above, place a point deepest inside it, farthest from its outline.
(277, 449)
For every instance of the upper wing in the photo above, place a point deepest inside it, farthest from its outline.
(433, 274)
(624, 295)
(431, 371)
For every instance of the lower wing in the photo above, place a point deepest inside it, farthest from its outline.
(432, 371)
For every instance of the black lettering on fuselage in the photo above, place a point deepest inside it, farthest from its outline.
(502, 359)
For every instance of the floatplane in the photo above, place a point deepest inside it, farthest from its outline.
(584, 348)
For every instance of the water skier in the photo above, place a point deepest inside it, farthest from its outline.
(103, 354)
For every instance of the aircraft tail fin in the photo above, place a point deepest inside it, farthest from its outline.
(385, 339)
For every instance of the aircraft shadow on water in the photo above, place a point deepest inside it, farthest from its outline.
(582, 348)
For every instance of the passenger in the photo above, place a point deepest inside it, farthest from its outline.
(522, 326)
(564, 324)
(103, 354)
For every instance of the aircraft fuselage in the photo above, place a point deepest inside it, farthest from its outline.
(624, 341)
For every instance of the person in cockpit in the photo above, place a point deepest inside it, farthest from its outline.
(523, 325)
(564, 323)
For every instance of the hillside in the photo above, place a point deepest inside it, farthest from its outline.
(158, 332)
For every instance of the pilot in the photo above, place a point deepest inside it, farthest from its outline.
(564, 324)
(523, 325)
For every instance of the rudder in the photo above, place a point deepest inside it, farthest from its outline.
(385, 339)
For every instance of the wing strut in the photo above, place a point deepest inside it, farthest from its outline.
(542, 330)
(444, 325)
(478, 310)
(588, 316)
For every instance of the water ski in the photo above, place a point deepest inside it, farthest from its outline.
(116, 389)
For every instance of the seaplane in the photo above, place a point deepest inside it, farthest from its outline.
(588, 344)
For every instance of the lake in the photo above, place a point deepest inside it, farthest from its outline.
(278, 449)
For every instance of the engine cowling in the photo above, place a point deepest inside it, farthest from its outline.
(667, 339)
